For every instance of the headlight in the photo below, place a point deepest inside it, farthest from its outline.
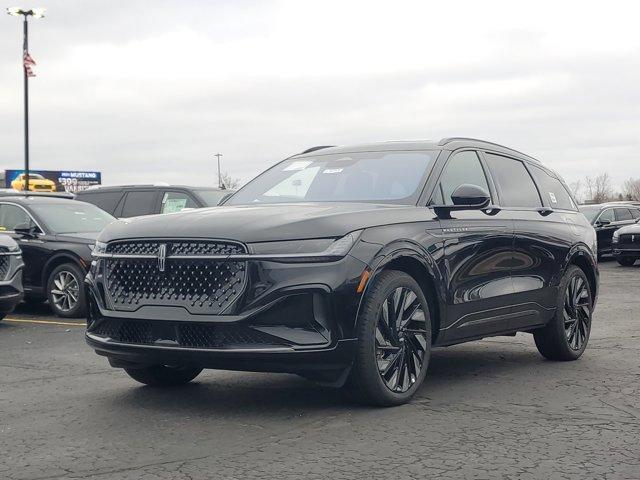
(98, 248)
(13, 250)
(615, 236)
(314, 250)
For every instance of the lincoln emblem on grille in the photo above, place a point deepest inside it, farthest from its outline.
(162, 256)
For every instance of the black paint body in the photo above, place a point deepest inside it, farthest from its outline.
(45, 250)
(486, 272)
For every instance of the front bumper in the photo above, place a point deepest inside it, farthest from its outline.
(290, 318)
(11, 291)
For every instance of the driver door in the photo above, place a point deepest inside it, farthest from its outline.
(478, 251)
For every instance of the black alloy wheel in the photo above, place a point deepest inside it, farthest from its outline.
(65, 291)
(566, 335)
(401, 342)
(394, 341)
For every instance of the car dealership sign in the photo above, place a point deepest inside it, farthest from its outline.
(52, 180)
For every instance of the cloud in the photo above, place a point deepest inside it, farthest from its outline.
(149, 91)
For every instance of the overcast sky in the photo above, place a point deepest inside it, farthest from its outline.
(149, 90)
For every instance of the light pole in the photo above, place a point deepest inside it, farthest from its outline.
(27, 63)
(220, 184)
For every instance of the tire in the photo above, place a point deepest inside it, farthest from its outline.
(555, 340)
(382, 347)
(626, 261)
(163, 376)
(75, 304)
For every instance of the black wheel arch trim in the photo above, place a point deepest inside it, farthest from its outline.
(408, 249)
(54, 261)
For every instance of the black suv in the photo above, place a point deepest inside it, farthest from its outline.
(136, 200)
(607, 218)
(56, 236)
(346, 265)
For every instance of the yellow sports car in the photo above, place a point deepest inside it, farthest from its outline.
(37, 183)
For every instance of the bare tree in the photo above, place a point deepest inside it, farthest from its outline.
(598, 188)
(631, 189)
(230, 182)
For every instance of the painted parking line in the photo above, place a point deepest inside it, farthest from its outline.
(45, 322)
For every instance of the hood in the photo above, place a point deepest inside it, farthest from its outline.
(82, 237)
(263, 223)
(635, 228)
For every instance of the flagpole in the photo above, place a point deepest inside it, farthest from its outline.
(26, 105)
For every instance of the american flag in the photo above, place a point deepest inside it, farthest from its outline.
(29, 63)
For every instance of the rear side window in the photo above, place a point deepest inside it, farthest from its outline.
(463, 167)
(623, 214)
(635, 213)
(514, 182)
(139, 203)
(552, 189)
(107, 201)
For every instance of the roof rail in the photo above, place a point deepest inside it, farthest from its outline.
(156, 184)
(446, 140)
(313, 149)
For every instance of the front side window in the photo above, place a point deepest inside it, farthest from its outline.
(384, 177)
(176, 202)
(72, 217)
(11, 216)
(607, 216)
(552, 189)
(463, 167)
(515, 184)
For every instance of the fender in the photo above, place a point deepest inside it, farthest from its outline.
(65, 254)
(410, 249)
(583, 254)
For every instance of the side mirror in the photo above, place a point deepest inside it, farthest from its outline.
(26, 230)
(465, 197)
(602, 223)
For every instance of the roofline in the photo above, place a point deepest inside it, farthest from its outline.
(447, 140)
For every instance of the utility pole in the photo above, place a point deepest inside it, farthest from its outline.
(27, 63)
(220, 184)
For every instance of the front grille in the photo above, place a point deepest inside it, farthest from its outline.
(4, 266)
(629, 239)
(182, 334)
(201, 285)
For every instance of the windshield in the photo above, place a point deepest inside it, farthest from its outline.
(212, 197)
(74, 217)
(590, 212)
(32, 176)
(384, 177)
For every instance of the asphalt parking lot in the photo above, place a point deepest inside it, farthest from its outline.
(489, 409)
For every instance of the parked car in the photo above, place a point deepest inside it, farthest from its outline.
(136, 200)
(56, 236)
(37, 183)
(626, 244)
(10, 192)
(347, 265)
(606, 218)
(11, 265)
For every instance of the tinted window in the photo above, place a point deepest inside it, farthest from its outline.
(623, 214)
(176, 202)
(515, 184)
(635, 213)
(386, 176)
(213, 197)
(105, 200)
(139, 203)
(607, 215)
(463, 167)
(11, 216)
(72, 217)
(552, 189)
